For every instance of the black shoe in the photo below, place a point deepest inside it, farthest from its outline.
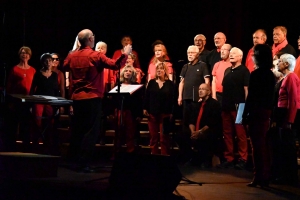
(206, 165)
(262, 183)
(86, 169)
(240, 165)
(225, 165)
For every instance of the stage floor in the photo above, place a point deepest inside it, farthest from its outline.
(223, 184)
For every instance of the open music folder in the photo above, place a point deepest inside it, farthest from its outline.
(126, 89)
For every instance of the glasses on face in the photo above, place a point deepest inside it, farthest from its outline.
(55, 59)
(191, 52)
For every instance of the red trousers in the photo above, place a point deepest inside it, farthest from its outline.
(155, 125)
(126, 130)
(258, 126)
(229, 128)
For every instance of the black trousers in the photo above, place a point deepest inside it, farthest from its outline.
(284, 151)
(85, 129)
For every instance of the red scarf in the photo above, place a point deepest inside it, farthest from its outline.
(199, 116)
(276, 49)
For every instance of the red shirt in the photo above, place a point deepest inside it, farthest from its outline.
(249, 61)
(19, 80)
(218, 73)
(87, 72)
(297, 67)
(289, 95)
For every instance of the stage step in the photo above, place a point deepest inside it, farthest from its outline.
(18, 165)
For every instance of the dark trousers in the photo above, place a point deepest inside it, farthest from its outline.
(85, 129)
(258, 128)
(284, 150)
(17, 117)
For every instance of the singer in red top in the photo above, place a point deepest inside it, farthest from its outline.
(86, 67)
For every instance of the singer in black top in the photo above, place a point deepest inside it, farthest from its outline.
(158, 106)
(44, 83)
(192, 76)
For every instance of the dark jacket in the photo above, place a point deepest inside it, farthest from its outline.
(211, 115)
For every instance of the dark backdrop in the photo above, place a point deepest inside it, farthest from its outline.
(52, 25)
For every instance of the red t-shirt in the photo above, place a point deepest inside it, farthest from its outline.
(218, 72)
(19, 80)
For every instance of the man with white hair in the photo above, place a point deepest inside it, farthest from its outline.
(235, 91)
(192, 76)
(259, 37)
(280, 42)
(200, 41)
(215, 55)
(86, 66)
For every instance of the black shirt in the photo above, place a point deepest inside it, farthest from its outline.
(41, 85)
(159, 100)
(260, 91)
(212, 58)
(233, 83)
(289, 49)
(203, 55)
(193, 77)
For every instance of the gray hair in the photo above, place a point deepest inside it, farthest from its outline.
(102, 44)
(200, 35)
(289, 59)
(238, 50)
(194, 48)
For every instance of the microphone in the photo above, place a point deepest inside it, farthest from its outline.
(180, 61)
(167, 61)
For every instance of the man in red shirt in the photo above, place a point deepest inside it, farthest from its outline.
(280, 42)
(87, 89)
(218, 73)
(259, 37)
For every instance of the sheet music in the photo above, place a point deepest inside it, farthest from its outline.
(239, 115)
(46, 97)
(125, 88)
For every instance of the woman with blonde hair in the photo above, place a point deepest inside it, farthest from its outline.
(131, 112)
(159, 107)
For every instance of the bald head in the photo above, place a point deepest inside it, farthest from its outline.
(219, 39)
(204, 91)
(86, 38)
(259, 37)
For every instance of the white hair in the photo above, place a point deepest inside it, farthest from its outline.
(200, 35)
(289, 59)
(238, 50)
(76, 44)
(194, 48)
(102, 44)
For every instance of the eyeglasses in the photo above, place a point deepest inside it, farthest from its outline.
(55, 59)
(191, 52)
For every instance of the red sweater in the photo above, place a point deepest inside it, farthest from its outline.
(289, 96)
